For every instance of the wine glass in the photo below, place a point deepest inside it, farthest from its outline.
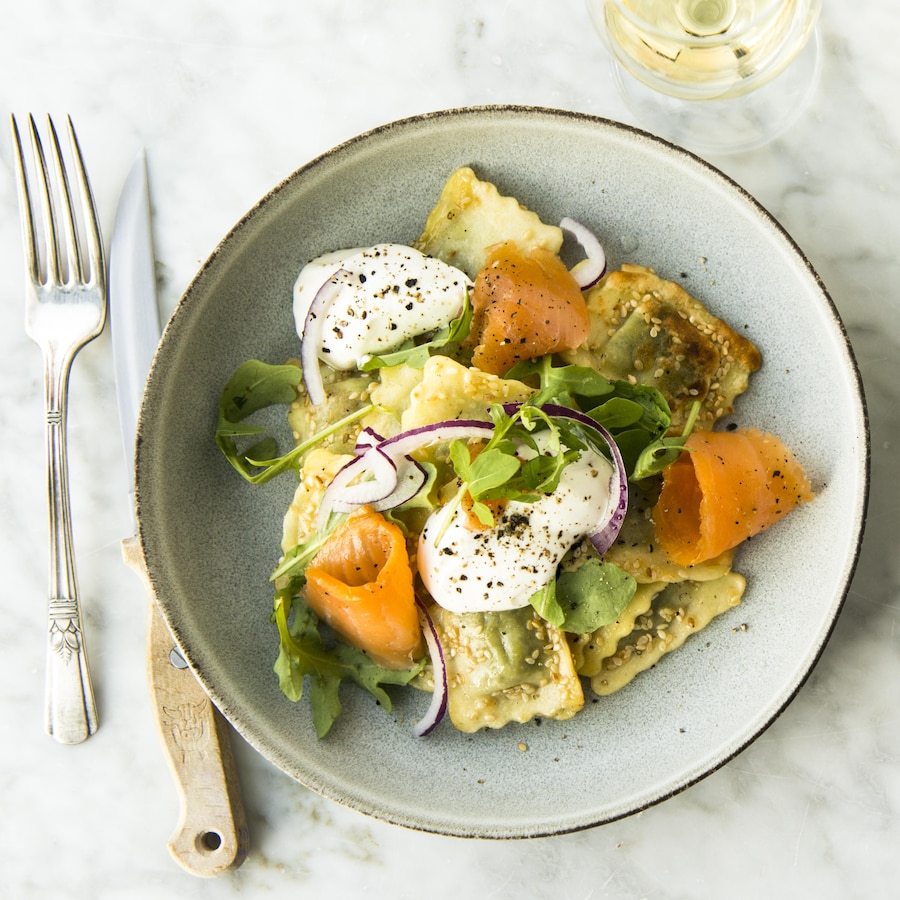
(716, 76)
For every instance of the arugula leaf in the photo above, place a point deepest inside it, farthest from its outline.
(593, 595)
(618, 413)
(583, 600)
(649, 409)
(490, 469)
(561, 384)
(636, 415)
(303, 653)
(409, 353)
(664, 451)
(254, 386)
(546, 605)
(499, 472)
(541, 474)
(416, 355)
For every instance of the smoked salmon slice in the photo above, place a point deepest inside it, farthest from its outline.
(727, 487)
(361, 584)
(524, 306)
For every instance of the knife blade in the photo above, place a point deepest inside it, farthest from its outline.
(211, 836)
(134, 313)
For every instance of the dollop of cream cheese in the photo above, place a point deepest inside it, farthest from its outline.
(467, 570)
(393, 293)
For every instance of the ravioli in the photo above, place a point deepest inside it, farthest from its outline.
(319, 468)
(390, 396)
(659, 619)
(647, 330)
(472, 215)
(450, 390)
(503, 667)
(344, 395)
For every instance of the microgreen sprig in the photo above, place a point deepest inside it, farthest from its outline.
(512, 465)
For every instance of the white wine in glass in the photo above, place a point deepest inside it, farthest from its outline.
(712, 52)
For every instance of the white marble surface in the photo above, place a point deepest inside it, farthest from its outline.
(230, 97)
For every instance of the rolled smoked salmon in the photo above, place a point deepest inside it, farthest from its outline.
(361, 584)
(525, 306)
(729, 486)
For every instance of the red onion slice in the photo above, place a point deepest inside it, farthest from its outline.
(610, 520)
(313, 329)
(382, 484)
(411, 478)
(425, 435)
(366, 440)
(438, 707)
(385, 459)
(614, 514)
(593, 268)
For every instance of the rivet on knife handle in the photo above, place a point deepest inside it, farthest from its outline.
(212, 835)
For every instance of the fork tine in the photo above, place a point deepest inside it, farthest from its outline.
(29, 235)
(50, 230)
(91, 219)
(72, 242)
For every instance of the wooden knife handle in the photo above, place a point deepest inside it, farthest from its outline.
(211, 836)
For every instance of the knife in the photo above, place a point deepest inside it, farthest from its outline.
(211, 836)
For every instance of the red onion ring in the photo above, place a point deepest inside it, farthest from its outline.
(613, 514)
(313, 329)
(617, 506)
(438, 707)
(594, 267)
(388, 489)
(425, 435)
(383, 470)
(411, 478)
(366, 440)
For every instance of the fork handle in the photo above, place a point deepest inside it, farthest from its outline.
(70, 709)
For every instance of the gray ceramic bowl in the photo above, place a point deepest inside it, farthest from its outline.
(211, 540)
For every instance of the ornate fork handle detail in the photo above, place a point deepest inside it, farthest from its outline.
(71, 711)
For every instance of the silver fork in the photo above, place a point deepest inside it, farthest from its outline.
(65, 307)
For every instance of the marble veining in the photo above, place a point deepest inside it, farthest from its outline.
(228, 98)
